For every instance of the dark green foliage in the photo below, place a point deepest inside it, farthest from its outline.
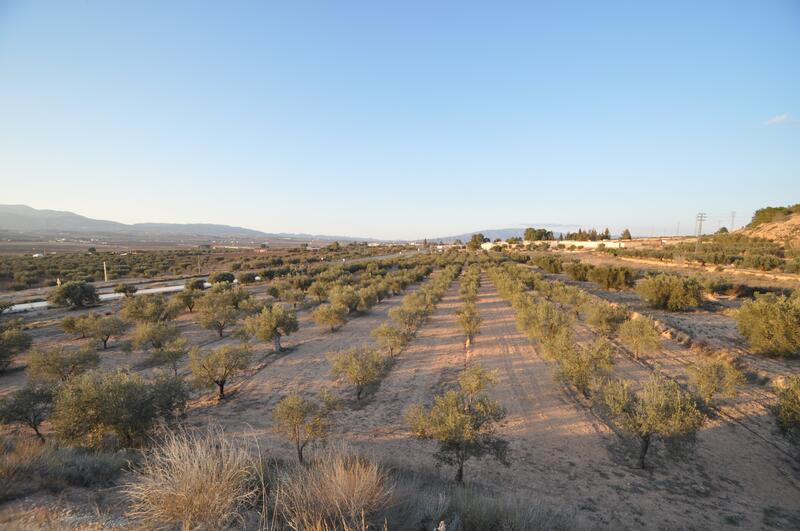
(715, 378)
(29, 406)
(770, 214)
(129, 290)
(612, 277)
(578, 270)
(550, 263)
(58, 365)
(75, 294)
(100, 409)
(221, 276)
(13, 341)
(533, 235)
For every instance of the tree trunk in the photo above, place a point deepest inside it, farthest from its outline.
(299, 451)
(220, 329)
(38, 434)
(221, 386)
(105, 343)
(277, 342)
(358, 392)
(460, 473)
(643, 451)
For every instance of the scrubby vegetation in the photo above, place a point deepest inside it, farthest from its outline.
(670, 292)
(771, 324)
(787, 410)
(715, 378)
(639, 335)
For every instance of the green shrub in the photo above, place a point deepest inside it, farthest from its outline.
(585, 365)
(771, 324)
(715, 378)
(639, 335)
(605, 317)
(611, 277)
(787, 410)
(359, 366)
(578, 270)
(97, 409)
(75, 294)
(670, 292)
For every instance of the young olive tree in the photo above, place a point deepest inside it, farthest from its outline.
(715, 378)
(639, 335)
(154, 336)
(583, 366)
(787, 410)
(29, 406)
(303, 421)
(272, 323)
(771, 324)
(670, 292)
(13, 341)
(329, 315)
(104, 328)
(462, 422)
(389, 337)
(80, 325)
(218, 366)
(359, 366)
(217, 310)
(660, 410)
(470, 322)
(172, 353)
(59, 365)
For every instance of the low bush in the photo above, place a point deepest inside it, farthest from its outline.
(605, 317)
(611, 277)
(787, 410)
(715, 378)
(771, 324)
(670, 292)
(639, 335)
(359, 366)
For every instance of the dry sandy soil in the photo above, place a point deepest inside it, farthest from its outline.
(741, 474)
(562, 455)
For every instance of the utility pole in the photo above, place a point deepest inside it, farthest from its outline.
(733, 217)
(701, 217)
(105, 271)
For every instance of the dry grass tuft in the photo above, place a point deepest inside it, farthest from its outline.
(195, 480)
(339, 490)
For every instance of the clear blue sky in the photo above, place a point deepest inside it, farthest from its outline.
(401, 119)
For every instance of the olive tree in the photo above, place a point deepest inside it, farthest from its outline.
(584, 365)
(79, 325)
(359, 366)
(60, 364)
(389, 337)
(787, 409)
(150, 308)
(329, 315)
(670, 292)
(128, 290)
(13, 341)
(172, 353)
(639, 335)
(104, 328)
(187, 298)
(272, 323)
(29, 406)
(217, 310)
(218, 366)
(155, 336)
(660, 410)
(715, 378)
(470, 322)
(771, 324)
(303, 421)
(96, 407)
(462, 422)
(75, 294)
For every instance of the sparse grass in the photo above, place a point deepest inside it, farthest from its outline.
(28, 466)
(195, 480)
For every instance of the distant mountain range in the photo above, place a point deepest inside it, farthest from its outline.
(22, 219)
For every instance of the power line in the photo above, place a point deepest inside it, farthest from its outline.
(701, 217)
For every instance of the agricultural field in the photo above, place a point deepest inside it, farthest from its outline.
(592, 399)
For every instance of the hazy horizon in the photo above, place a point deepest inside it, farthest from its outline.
(401, 122)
